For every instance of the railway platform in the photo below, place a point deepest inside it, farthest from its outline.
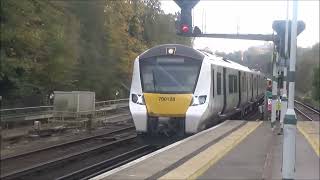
(233, 149)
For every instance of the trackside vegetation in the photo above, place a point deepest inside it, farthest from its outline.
(76, 45)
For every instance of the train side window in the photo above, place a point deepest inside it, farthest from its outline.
(230, 84)
(255, 83)
(242, 81)
(245, 83)
(212, 82)
(235, 84)
(218, 83)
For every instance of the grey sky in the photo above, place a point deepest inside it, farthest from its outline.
(251, 17)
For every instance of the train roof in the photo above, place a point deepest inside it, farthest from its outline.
(179, 50)
(222, 61)
(186, 51)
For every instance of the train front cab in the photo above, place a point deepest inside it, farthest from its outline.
(164, 93)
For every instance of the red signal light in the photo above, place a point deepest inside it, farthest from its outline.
(185, 28)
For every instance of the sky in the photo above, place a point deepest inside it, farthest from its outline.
(247, 17)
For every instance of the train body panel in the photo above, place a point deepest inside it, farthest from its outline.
(232, 89)
(243, 88)
(218, 94)
(174, 86)
(197, 115)
(195, 118)
(167, 105)
(138, 111)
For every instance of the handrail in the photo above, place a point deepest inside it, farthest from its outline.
(109, 102)
(41, 110)
(40, 107)
(34, 107)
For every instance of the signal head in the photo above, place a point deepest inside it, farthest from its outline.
(185, 28)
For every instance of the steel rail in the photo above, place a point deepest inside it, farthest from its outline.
(303, 114)
(65, 144)
(62, 160)
(109, 164)
(308, 107)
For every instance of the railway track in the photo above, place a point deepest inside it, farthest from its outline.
(20, 165)
(109, 164)
(80, 159)
(307, 111)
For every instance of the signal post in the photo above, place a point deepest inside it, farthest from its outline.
(283, 52)
(288, 116)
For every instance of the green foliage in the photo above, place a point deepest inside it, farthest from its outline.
(316, 84)
(77, 45)
(258, 58)
(307, 61)
(35, 56)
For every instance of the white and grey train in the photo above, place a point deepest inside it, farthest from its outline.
(178, 89)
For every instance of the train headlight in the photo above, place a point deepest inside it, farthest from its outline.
(171, 51)
(137, 98)
(198, 100)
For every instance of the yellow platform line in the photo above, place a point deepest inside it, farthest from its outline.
(308, 131)
(200, 163)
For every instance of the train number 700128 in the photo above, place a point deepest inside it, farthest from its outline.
(162, 99)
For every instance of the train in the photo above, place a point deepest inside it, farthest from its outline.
(179, 90)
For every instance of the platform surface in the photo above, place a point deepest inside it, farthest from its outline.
(259, 156)
(232, 150)
(158, 163)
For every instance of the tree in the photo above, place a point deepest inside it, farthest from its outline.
(35, 52)
(316, 84)
(307, 58)
(77, 45)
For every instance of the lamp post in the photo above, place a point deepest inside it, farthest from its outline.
(290, 119)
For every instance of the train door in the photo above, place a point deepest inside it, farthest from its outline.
(218, 100)
(251, 87)
(259, 82)
(247, 89)
(212, 88)
(239, 89)
(224, 90)
(243, 88)
(258, 85)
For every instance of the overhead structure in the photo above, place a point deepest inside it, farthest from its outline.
(258, 37)
(280, 27)
(185, 23)
(186, 28)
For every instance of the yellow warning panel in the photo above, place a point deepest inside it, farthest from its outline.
(310, 130)
(278, 105)
(170, 105)
(200, 163)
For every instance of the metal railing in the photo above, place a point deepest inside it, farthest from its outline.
(100, 104)
(47, 111)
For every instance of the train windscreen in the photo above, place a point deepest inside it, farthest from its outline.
(169, 74)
